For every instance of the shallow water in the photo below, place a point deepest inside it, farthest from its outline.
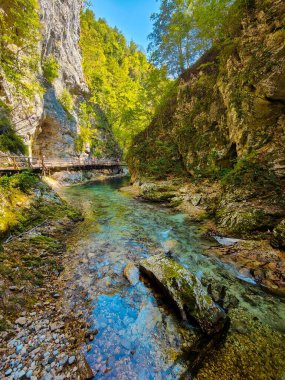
(139, 337)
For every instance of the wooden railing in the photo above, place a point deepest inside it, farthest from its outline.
(19, 163)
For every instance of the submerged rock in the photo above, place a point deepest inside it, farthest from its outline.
(170, 245)
(131, 272)
(186, 292)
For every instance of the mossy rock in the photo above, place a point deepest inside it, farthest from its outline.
(244, 221)
(278, 239)
(186, 292)
(158, 192)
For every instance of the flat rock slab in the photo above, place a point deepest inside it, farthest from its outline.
(186, 291)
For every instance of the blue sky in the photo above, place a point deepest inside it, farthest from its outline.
(132, 17)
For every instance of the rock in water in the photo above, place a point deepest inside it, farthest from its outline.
(131, 272)
(170, 245)
(187, 293)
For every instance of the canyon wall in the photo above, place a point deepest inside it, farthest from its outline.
(48, 128)
(222, 128)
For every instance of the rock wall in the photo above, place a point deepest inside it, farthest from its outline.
(54, 133)
(46, 126)
(224, 123)
(61, 23)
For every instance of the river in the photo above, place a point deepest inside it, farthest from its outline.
(139, 337)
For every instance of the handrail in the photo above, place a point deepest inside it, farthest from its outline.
(22, 162)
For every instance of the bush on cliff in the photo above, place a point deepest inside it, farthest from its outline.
(10, 142)
(50, 69)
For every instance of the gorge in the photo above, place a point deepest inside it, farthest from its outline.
(175, 269)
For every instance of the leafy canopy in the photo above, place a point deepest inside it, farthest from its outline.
(122, 81)
(19, 37)
(184, 29)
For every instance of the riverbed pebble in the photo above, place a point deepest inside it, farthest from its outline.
(71, 359)
(40, 348)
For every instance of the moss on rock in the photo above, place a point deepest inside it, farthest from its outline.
(186, 291)
(278, 239)
(224, 123)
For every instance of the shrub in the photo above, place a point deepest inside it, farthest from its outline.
(249, 171)
(79, 144)
(66, 100)
(23, 181)
(4, 182)
(50, 69)
(9, 140)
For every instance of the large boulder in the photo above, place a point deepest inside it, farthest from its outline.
(186, 292)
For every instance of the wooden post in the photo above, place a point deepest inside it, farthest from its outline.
(15, 163)
(43, 165)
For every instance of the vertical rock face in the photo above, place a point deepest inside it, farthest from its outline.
(224, 123)
(56, 130)
(46, 126)
(61, 23)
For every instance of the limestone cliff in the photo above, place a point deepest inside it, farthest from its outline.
(223, 126)
(55, 131)
(47, 127)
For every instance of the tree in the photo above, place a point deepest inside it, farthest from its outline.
(170, 39)
(184, 29)
(121, 80)
(19, 37)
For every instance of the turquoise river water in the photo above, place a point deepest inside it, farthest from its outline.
(139, 337)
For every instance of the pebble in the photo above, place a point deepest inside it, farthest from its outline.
(56, 326)
(51, 360)
(21, 374)
(40, 348)
(64, 360)
(29, 374)
(71, 360)
(21, 321)
(19, 348)
(13, 288)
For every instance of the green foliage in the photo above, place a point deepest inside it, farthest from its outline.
(122, 82)
(89, 129)
(50, 68)
(24, 181)
(10, 142)
(19, 37)
(184, 29)
(155, 157)
(66, 100)
(45, 242)
(250, 172)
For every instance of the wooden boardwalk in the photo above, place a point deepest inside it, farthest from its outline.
(13, 164)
